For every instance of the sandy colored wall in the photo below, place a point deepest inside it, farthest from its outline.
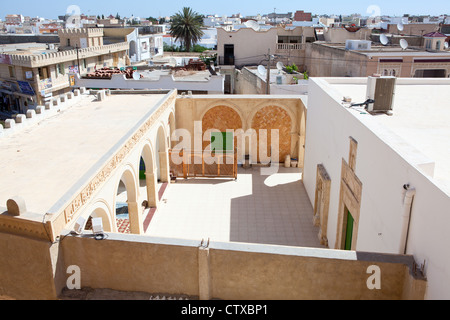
(232, 271)
(26, 271)
(269, 276)
(324, 61)
(247, 107)
(134, 265)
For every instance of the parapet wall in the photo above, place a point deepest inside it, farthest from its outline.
(237, 271)
(34, 61)
(33, 116)
(87, 32)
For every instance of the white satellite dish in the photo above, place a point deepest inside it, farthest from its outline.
(136, 76)
(120, 65)
(404, 44)
(280, 66)
(262, 70)
(446, 45)
(400, 26)
(253, 24)
(384, 40)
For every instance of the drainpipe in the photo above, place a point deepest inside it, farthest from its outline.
(409, 194)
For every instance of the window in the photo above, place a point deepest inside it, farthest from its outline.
(12, 71)
(60, 69)
(68, 42)
(438, 45)
(222, 142)
(43, 73)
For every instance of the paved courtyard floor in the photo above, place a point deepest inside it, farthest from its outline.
(254, 209)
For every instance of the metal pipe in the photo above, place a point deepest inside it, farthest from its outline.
(409, 194)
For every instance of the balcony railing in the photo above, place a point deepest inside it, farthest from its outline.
(289, 46)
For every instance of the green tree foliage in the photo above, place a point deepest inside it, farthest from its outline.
(186, 27)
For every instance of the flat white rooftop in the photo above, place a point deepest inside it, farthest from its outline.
(421, 117)
(43, 163)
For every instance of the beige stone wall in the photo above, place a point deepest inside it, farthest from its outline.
(275, 118)
(220, 118)
(265, 276)
(33, 269)
(134, 265)
(93, 37)
(236, 271)
(283, 113)
(324, 61)
(25, 268)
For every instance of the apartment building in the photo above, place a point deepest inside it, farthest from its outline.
(248, 46)
(34, 74)
(325, 59)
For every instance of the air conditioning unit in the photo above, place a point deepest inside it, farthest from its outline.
(358, 45)
(381, 92)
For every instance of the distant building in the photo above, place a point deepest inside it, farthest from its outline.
(302, 16)
(434, 41)
(32, 74)
(14, 19)
(337, 60)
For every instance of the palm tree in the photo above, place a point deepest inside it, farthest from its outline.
(186, 27)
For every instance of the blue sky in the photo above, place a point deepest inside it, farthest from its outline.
(51, 9)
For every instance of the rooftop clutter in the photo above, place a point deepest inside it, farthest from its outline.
(107, 73)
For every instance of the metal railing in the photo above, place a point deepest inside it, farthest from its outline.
(289, 46)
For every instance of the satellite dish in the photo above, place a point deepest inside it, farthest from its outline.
(253, 24)
(404, 44)
(120, 65)
(280, 66)
(136, 76)
(262, 70)
(400, 26)
(384, 40)
(446, 45)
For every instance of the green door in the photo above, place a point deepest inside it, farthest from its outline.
(349, 231)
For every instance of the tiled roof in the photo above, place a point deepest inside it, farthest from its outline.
(435, 35)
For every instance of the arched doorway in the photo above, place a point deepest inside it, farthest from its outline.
(100, 212)
(132, 50)
(127, 210)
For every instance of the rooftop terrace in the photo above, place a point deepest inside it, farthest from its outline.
(419, 127)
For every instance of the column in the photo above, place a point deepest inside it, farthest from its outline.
(136, 221)
(164, 166)
(152, 192)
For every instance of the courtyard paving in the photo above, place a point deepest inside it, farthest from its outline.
(272, 210)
